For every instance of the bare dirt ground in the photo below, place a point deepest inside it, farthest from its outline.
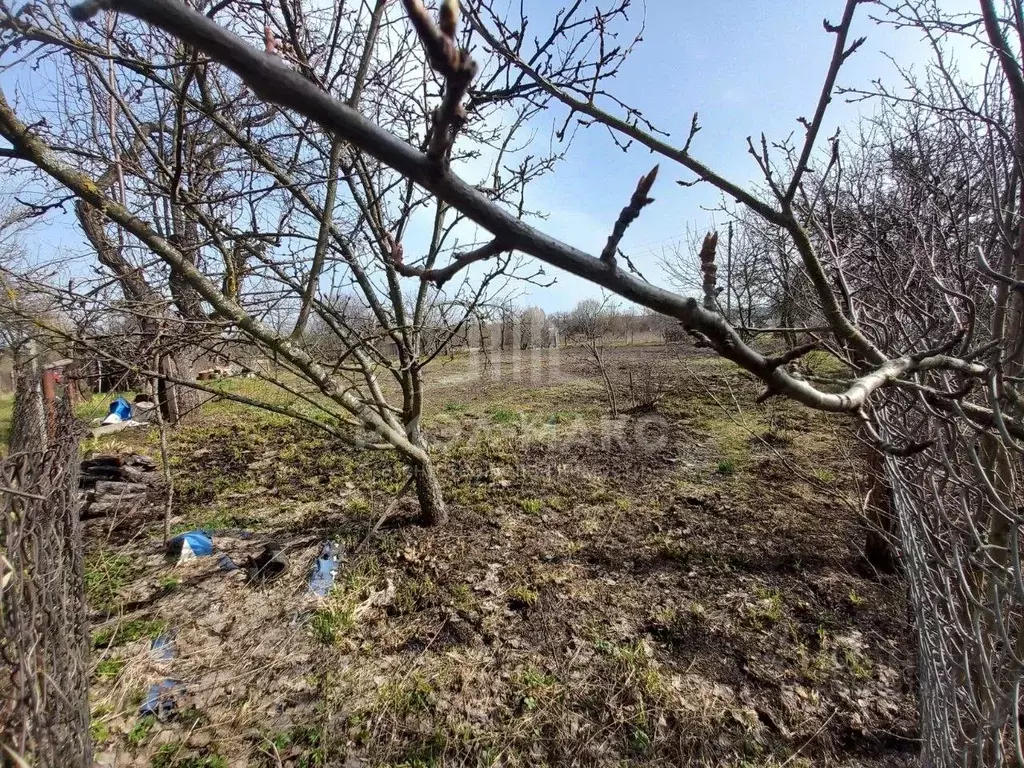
(682, 587)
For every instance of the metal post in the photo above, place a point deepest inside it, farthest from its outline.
(728, 276)
(50, 403)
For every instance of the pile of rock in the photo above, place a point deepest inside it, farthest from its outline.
(116, 483)
(218, 372)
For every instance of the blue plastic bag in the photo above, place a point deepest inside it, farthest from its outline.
(121, 408)
(325, 569)
(160, 699)
(190, 544)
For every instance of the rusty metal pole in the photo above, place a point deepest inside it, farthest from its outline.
(50, 404)
(71, 391)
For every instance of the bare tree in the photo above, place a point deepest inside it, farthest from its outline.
(531, 322)
(232, 227)
(19, 336)
(506, 319)
(17, 301)
(760, 284)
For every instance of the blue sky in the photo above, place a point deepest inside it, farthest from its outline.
(746, 66)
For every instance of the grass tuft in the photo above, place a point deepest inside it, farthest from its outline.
(128, 632)
(504, 416)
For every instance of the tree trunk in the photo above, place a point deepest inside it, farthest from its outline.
(881, 526)
(433, 511)
(881, 530)
(176, 401)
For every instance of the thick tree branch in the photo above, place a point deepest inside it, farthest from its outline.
(839, 54)
(986, 269)
(322, 240)
(1007, 59)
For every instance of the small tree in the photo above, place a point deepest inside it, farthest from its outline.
(589, 324)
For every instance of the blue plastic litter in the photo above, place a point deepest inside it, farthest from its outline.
(163, 647)
(121, 408)
(190, 544)
(160, 701)
(199, 543)
(325, 569)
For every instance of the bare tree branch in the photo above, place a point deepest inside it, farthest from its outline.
(639, 199)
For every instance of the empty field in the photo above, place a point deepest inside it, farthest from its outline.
(677, 587)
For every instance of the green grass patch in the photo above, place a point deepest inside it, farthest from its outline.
(825, 476)
(536, 688)
(329, 624)
(767, 610)
(108, 669)
(218, 519)
(99, 730)
(504, 416)
(227, 412)
(407, 697)
(564, 417)
(531, 506)
(413, 594)
(310, 741)
(336, 617)
(140, 731)
(106, 574)
(821, 363)
(127, 632)
(171, 756)
(522, 596)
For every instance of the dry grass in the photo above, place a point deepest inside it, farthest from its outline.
(604, 595)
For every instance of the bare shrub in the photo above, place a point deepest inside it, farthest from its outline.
(645, 384)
